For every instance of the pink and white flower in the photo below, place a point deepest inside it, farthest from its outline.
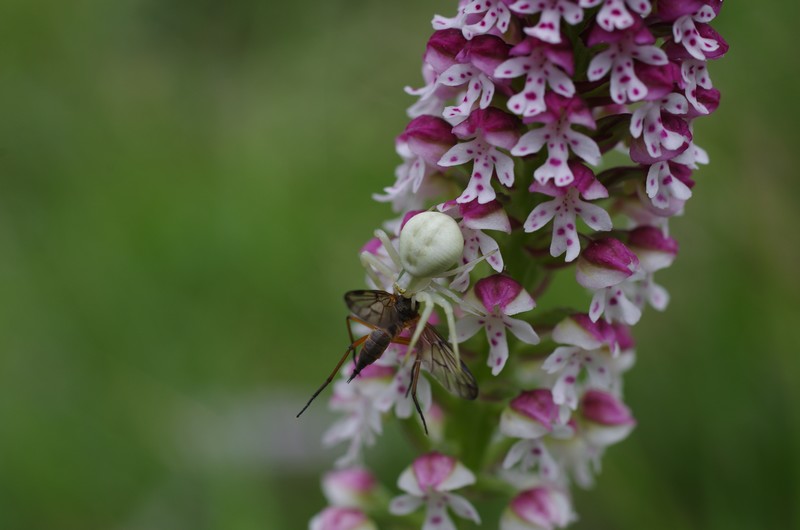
(341, 518)
(422, 144)
(539, 508)
(590, 347)
(559, 137)
(429, 481)
(668, 183)
(661, 133)
(655, 251)
(606, 420)
(548, 28)
(354, 487)
(532, 416)
(543, 65)
(603, 266)
(625, 49)
(615, 14)
(362, 422)
(566, 207)
(687, 30)
(440, 54)
(489, 130)
(478, 60)
(501, 296)
(477, 17)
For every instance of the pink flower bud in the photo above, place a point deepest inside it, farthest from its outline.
(529, 415)
(608, 420)
(671, 123)
(340, 518)
(669, 11)
(489, 216)
(539, 508)
(655, 250)
(429, 137)
(442, 48)
(503, 292)
(349, 487)
(604, 263)
(485, 52)
(579, 330)
(499, 128)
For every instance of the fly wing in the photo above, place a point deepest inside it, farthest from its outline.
(437, 357)
(376, 308)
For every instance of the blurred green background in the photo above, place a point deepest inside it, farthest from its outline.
(184, 186)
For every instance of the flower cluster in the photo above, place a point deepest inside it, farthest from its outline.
(533, 115)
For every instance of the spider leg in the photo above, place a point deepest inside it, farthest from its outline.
(390, 250)
(372, 264)
(456, 297)
(467, 266)
(427, 304)
(442, 302)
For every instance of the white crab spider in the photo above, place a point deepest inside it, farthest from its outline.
(430, 244)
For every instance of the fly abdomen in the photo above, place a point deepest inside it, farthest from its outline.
(376, 343)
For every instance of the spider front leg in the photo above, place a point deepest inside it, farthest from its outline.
(372, 264)
(428, 301)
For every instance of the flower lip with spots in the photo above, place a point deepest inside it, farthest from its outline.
(501, 296)
(429, 481)
(489, 130)
(564, 210)
(560, 138)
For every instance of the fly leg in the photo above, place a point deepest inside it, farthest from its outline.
(413, 388)
(352, 347)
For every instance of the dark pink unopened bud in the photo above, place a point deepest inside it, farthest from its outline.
(499, 128)
(607, 419)
(539, 508)
(655, 250)
(485, 52)
(442, 48)
(604, 263)
(429, 137)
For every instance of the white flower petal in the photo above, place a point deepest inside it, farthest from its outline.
(498, 345)
(404, 504)
(460, 153)
(459, 477)
(517, 451)
(408, 482)
(541, 215)
(522, 330)
(531, 142)
(594, 216)
(463, 508)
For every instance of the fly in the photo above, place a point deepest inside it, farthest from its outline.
(388, 315)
